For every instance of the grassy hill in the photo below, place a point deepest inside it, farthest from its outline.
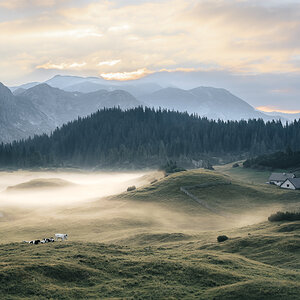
(262, 265)
(156, 242)
(40, 183)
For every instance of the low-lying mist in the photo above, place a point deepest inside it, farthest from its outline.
(37, 204)
(47, 189)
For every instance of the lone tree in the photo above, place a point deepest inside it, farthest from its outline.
(171, 167)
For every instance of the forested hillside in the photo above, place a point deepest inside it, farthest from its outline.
(146, 137)
(278, 160)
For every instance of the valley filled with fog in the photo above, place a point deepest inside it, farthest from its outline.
(61, 188)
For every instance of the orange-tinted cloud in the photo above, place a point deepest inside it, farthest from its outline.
(274, 109)
(123, 76)
(61, 66)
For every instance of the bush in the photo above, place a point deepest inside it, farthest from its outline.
(171, 167)
(287, 216)
(236, 165)
(131, 188)
(208, 166)
(222, 238)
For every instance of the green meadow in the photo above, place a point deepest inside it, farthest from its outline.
(156, 242)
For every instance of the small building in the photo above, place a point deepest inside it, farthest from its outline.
(280, 178)
(291, 183)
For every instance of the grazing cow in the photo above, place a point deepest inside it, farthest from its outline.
(43, 241)
(47, 240)
(61, 236)
(33, 242)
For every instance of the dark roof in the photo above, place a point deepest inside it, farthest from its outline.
(281, 176)
(295, 182)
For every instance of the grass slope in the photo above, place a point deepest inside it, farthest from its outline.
(156, 245)
(160, 267)
(41, 183)
(238, 197)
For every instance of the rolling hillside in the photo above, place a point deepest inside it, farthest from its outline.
(262, 266)
(156, 242)
(157, 207)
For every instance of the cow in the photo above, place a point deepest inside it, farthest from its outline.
(61, 236)
(47, 240)
(33, 242)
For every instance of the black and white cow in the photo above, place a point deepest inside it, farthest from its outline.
(33, 242)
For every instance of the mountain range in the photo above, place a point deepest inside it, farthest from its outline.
(213, 103)
(36, 108)
(42, 108)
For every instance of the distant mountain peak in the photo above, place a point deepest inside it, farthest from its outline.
(4, 90)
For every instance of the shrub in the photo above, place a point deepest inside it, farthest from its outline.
(171, 167)
(287, 216)
(131, 188)
(222, 238)
(236, 165)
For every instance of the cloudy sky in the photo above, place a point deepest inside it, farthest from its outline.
(251, 47)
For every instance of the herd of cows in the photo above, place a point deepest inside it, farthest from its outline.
(61, 236)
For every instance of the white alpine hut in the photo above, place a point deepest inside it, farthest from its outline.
(291, 183)
(280, 178)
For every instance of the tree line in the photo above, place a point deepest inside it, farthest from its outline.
(279, 160)
(146, 137)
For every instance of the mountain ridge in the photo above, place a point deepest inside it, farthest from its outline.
(210, 102)
(42, 108)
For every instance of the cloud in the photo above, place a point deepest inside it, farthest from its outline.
(122, 76)
(17, 4)
(109, 63)
(119, 28)
(240, 36)
(276, 109)
(61, 66)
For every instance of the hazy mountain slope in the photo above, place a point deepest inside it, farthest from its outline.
(87, 87)
(93, 101)
(42, 108)
(19, 91)
(135, 90)
(24, 86)
(62, 106)
(208, 102)
(18, 118)
(58, 105)
(213, 103)
(173, 98)
(63, 82)
(222, 104)
(93, 84)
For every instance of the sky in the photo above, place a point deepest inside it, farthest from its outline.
(250, 47)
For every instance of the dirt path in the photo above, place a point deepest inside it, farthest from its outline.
(185, 189)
